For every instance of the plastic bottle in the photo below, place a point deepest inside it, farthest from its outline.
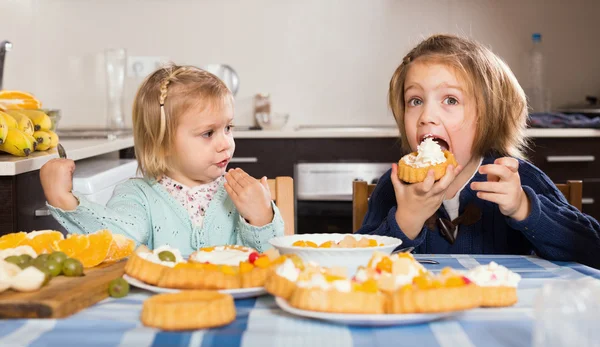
(536, 88)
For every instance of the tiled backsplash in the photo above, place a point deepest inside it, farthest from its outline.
(323, 61)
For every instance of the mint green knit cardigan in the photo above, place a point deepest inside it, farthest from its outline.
(145, 212)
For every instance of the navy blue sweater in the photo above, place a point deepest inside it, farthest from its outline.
(554, 229)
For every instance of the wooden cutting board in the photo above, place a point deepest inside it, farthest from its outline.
(63, 296)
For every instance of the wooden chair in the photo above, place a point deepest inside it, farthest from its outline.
(573, 191)
(361, 191)
(282, 193)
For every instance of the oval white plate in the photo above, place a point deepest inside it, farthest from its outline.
(374, 320)
(351, 258)
(241, 293)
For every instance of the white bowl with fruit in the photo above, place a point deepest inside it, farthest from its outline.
(339, 250)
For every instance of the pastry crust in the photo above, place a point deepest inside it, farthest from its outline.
(445, 299)
(255, 277)
(190, 276)
(411, 174)
(188, 310)
(500, 296)
(316, 299)
(280, 286)
(142, 269)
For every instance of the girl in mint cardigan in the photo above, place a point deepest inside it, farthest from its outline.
(182, 123)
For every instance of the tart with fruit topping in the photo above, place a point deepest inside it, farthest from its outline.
(200, 276)
(449, 291)
(326, 292)
(255, 270)
(283, 281)
(147, 266)
(498, 284)
(430, 155)
(347, 242)
(390, 271)
(188, 310)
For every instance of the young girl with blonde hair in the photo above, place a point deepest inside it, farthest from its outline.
(182, 123)
(463, 96)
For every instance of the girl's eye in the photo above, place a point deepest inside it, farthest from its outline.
(414, 102)
(450, 101)
(229, 128)
(207, 134)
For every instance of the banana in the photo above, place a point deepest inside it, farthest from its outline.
(40, 120)
(53, 137)
(3, 130)
(33, 140)
(11, 122)
(17, 143)
(44, 140)
(23, 122)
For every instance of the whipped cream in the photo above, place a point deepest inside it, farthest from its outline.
(223, 255)
(288, 270)
(493, 275)
(153, 256)
(428, 153)
(319, 281)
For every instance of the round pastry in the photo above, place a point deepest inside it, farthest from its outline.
(498, 284)
(430, 294)
(390, 271)
(200, 276)
(147, 266)
(328, 293)
(413, 167)
(188, 310)
(283, 281)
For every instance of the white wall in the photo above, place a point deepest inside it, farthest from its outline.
(323, 61)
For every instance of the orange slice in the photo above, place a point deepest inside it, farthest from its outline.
(100, 243)
(41, 241)
(73, 245)
(14, 100)
(120, 248)
(12, 240)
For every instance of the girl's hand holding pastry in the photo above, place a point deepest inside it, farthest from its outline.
(418, 201)
(503, 187)
(251, 197)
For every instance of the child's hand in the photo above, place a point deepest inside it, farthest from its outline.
(251, 197)
(504, 188)
(418, 201)
(56, 177)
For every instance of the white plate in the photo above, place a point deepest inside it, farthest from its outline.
(241, 293)
(374, 320)
(351, 258)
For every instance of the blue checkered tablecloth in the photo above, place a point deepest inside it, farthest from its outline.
(115, 322)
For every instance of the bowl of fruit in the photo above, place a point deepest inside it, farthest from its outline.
(339, 250)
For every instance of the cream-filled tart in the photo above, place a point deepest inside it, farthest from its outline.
(428, 293)
(332, 293)
(413, 167)
(147, 266)
(222, 255)
(498, 284)
(390, 271)
(282, 282)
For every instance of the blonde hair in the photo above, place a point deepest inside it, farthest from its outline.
(501, 104)
(161, 99)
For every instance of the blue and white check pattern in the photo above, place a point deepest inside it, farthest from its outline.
(115, 322)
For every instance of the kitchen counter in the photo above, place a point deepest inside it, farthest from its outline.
(86, 148)
(76, 150)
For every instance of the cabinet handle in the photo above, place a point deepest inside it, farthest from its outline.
(244, 160)
(587, 201)
(42, 212)
(570, 158)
